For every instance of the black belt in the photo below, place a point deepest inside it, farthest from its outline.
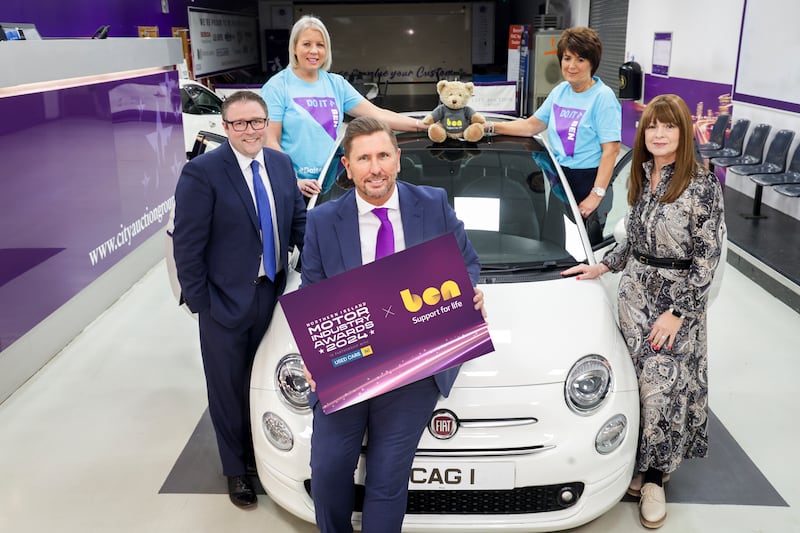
(663, 262)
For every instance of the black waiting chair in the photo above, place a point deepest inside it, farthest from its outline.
(789, 189)
(790, 177)
(775, 160)
(733, 144)
(753, 150)
(717, 138)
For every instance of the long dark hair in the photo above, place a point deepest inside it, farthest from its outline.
(667, 109)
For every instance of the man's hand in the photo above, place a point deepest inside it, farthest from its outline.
(478, 301)
(311, 382)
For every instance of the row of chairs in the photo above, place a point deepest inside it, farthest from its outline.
(768, 170)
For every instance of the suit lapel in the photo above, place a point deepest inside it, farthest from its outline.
(346, 227)
(237, 180)
(411, 213)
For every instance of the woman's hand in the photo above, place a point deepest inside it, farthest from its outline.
(308, 187)
(588, 205)
(664, 330)
(585, 271)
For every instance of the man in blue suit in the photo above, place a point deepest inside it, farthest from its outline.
(231, 276)
(342, 235)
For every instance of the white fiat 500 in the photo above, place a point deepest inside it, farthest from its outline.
(539, 435)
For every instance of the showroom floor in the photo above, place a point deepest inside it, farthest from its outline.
(112, 435)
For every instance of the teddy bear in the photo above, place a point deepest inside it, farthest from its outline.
(453, 117)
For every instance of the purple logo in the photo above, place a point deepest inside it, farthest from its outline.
(324, 111)
(568, 120)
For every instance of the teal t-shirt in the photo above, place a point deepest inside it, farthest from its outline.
(578, 123)
(310, 113)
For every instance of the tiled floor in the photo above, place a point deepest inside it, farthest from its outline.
(87, 443)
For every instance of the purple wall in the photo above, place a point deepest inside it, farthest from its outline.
(88, 174)
(706, 101)
(80, 18)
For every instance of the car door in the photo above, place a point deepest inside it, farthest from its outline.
(202, 111)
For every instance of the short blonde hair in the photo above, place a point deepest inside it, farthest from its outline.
(308, 22)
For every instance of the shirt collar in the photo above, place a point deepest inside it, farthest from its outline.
(365, 207)
(244, 161)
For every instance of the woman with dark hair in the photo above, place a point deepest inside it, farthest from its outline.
(307, 104)
(675, 233)
(583, 120)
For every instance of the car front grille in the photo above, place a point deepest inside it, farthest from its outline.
(521, 500)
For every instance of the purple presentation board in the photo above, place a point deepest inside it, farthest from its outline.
(388, 323)
(88, 174)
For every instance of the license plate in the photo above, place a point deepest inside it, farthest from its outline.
(441, 475)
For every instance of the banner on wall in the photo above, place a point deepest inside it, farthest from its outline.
(222, 41)
(519, 45)
(495, 97)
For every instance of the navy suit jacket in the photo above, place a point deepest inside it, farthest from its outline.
(333, 244)
(217, 242)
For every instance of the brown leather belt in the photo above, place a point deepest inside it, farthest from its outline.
(662, 262)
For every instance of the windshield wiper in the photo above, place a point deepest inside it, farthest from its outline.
(538, 266)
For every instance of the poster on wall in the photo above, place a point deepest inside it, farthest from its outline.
(222, 41)
(662, 50)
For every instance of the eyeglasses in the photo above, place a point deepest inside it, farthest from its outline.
(241, 125)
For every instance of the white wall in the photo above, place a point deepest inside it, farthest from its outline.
(705, 36)
(705, 44)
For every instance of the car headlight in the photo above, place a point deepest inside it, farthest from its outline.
(587, 384)
(611, 435)
(291, 380)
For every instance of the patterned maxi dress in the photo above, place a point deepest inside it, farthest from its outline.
(673, 384)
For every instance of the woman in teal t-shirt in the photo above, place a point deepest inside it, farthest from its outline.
(307, 104)
(582, 117)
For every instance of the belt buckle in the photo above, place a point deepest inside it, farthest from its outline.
(643, 259)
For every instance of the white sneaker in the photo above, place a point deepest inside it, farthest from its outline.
(635, 488)
(652, 506)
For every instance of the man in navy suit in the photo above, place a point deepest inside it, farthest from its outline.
(342, 235)
(229, 276)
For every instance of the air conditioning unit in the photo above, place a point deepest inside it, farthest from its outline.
(547, 22)
(545, 66)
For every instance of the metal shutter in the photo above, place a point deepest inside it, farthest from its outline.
(609, 18)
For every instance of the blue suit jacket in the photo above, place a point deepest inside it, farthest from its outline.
(217, 242)
(333, 244)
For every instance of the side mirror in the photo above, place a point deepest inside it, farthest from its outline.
(101, 32)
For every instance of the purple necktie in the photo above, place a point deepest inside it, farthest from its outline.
(384, 245)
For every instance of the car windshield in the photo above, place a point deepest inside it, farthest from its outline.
(506, 191)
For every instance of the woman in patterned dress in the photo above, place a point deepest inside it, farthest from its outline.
(675, 231)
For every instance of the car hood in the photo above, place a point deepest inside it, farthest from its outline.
(540, 329)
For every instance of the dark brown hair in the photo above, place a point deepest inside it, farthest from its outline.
(582, 41)
(242, 96)
(667, 109)
(365, 126)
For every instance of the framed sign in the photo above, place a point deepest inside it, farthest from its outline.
(662, 50)
(222, 41)
(387, 323)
